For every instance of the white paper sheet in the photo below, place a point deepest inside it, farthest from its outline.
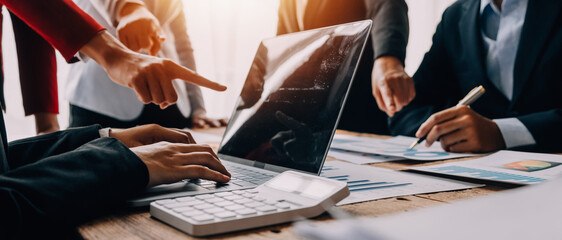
(504, 166)
(360, 158)
(531, 212)
(368, 183)
(396, 146)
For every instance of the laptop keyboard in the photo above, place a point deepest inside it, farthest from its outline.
(241, 178)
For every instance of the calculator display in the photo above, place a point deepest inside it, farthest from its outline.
(303, 186)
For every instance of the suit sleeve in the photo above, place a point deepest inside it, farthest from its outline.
(435, 87)
(29, 150)
(546, 128)
(37, 65)
(390, 27)
(63, 24)
(65, 189)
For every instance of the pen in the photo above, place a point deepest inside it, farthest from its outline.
(472, 96)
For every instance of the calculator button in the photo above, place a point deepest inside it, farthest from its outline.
(266, 209)
(185, 199)
(203, 206)
(259, 199)
(252, 191)
(177, 205)
(214, 200)
(234, 207)
(214, 210)
(224, 203)
(223, 194)
(246, 211)
(183, 209)
(165, 201)
(192, 213)
(248, 195)
(270, 202)
(225, 214)
(203, 218)
(232, 197)
(204, 196)
(238, 191)
(242, 200)
(283, 206)
(253, 204)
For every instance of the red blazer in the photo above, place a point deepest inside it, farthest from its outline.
(37, 69)
(67, 28)
(63, 24)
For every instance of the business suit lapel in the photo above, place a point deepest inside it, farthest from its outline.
(471, 40)
(539, 20)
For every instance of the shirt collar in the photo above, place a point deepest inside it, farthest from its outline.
(485, 3)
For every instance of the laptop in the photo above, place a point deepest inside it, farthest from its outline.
(287, 111)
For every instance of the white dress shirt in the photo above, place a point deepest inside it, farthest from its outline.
(89, 85)
(501, 33)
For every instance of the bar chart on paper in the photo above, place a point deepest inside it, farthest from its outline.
(368, 183)
(396, 146)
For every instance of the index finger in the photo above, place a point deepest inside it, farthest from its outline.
(188, 75)
(436, 118)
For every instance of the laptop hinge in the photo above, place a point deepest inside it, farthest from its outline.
(259, 165)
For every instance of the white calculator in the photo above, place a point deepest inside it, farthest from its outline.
(287, 197)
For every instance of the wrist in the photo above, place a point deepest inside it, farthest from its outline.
(389, 63)
(104, 49)
(127, 9)
(198, 112)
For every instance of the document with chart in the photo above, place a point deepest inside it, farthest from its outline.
(368, 183)
(396, 146)
(504, 166)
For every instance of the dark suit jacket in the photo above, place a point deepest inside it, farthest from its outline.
(455, 64)
(52, 182)
(389, 37)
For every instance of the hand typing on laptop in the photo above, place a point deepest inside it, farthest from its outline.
(171, 154)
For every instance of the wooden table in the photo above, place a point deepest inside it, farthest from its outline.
(137, 224)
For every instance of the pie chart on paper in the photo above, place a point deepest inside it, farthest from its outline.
(530, 165)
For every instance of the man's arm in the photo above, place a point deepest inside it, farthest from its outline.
(63, 190)
(434, 84)
(29, 150)
(392, 87)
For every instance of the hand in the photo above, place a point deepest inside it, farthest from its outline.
(392, 87)
(149, 76)
(46, 123)
(172, 162)
(462, 130)
(139, 30)
(149, 134)
(200, 120)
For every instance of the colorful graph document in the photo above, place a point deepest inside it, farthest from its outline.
(396, 146)
(360, 158)
(368, 183)
(504, 166)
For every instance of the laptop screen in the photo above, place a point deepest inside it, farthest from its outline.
(293, 96)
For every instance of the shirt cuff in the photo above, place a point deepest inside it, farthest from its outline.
(104, 132)
(514, 133)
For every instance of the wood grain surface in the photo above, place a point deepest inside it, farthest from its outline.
(137, 223)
